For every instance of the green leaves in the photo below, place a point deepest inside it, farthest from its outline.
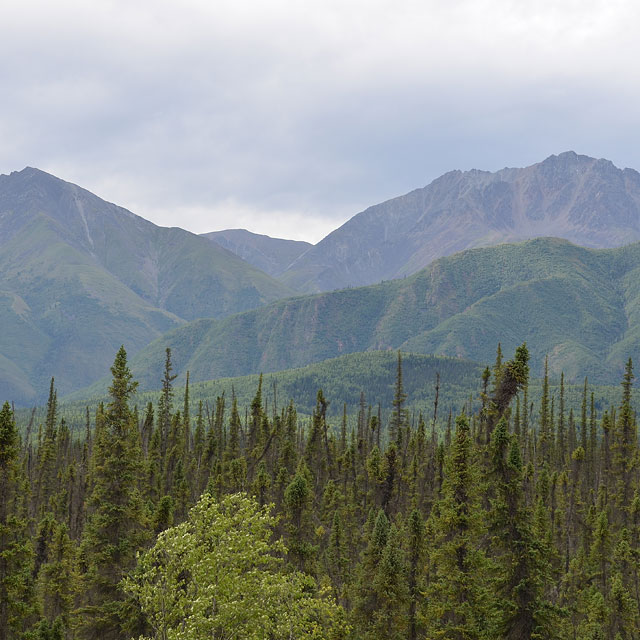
(218, 575)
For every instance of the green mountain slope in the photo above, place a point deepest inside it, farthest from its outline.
(80, 276)
(578, 306)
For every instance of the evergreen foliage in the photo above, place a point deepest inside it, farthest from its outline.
(517, 518)
(17, 603)
(117, 523)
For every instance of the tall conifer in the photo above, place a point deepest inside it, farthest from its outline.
(117, 523)
(17, 602)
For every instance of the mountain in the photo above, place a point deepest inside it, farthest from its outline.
(579, 306)
(271, 255)
(587, 201)
(80, 276)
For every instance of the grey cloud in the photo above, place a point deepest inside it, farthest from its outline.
(202, 114)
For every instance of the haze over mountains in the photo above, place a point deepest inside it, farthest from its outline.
(80, 276)
(272, 255)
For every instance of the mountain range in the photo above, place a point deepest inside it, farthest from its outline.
(80, 276)
(579, 306)
(587, 201)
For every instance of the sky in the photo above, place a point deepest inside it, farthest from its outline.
(289, 117)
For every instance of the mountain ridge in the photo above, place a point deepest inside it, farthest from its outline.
(271, 255)
(585, 200)
(579, 306)
(79, 276)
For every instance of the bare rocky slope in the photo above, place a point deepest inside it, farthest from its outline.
(585, 200)
(272, 255)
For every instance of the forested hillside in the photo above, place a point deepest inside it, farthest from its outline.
(348, 382)
(578, 306)
(79, 276)
(519, 520)
(343, 379)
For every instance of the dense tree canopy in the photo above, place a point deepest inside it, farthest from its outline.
(520, 520)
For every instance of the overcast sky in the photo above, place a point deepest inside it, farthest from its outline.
(289, 117)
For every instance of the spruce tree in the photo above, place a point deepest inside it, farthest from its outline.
(457, 595)
(523, 611)
(391, 592)
(399, 414)
(298, 498)
(117, 522)
(165, 404)
(512, 376)
(17, 603)
(57, 579)
(544, 445)
(624, 449)
(200, 473)
(254, 439)
(337, 558)
(415, 535)
(46, 481)
(366, 595)
(561, 448)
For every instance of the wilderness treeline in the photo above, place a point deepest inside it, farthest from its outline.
(521, 520)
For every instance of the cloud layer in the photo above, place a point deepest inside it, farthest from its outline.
(289, 117)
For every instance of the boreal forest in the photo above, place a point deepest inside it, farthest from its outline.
(421, 427)
(516, 517)
(319, 320)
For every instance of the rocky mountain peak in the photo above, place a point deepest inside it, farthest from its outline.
(586, 200)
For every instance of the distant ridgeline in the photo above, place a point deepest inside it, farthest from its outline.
(518, 518)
